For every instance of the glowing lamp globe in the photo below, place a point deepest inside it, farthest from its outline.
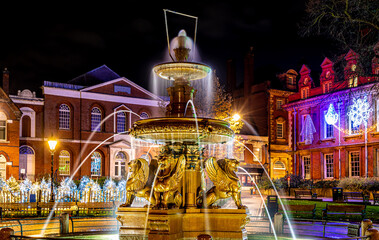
(236, 117)
(52, 143)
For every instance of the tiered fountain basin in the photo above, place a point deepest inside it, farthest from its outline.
(182, 70)
(191, 130)
(182, 224)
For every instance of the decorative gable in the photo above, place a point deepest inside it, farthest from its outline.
(327, 75)
(305, 82)
(121, 87)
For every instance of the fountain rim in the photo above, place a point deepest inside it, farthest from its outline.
(182, 129)
(190, 66)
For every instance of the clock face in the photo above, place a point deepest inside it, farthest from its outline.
(327, 74)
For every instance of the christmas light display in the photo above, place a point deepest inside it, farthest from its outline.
(331, 117)
(359, 111)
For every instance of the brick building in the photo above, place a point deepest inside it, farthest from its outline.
(334, 128)
(72, 112)
(259, 103)
(10, 116)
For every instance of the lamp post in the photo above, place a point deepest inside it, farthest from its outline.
(52, 144)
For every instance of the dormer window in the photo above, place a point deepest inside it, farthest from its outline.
(291, 80)
(327, 87)
(353, 81)
(305, 92)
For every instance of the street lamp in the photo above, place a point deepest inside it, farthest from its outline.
(236, 117)
(52, 144)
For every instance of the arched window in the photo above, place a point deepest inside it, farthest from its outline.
(144, 115)
(95, 119)
(121, 122)
(279, 165)
(64, 116)
(3, 127)
(96, 164)
(26, 126)
(3, 167)
(64, 163)
(119, 165)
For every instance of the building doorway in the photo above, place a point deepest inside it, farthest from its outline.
(27, 163)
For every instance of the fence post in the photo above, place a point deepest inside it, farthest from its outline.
(278, 223)
(64, 220)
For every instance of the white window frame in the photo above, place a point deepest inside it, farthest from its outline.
(121, 126)
(120, 163)
(3, 167)
(357, 159)
(64, 117)
(96, 118)
(64, 161)
(326, 125)
(329, 165)
(350, 127)
(3, 126)
(96, 155)
(306, 171)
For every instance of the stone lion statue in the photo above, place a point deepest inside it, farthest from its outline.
(139, 182)
(226, 183)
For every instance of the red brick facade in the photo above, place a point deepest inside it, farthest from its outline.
(76, 139)
(334, 151)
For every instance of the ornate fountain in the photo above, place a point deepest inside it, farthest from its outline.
(180, 207)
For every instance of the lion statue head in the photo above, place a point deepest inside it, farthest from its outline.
(139, 169)
(230, 166)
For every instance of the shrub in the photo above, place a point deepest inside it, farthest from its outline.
(360, 184)
(326, 184)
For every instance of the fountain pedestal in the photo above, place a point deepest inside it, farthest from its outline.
(184, 224)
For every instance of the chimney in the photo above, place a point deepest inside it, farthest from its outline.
(231, 76)
(6, 81)
(248, 72)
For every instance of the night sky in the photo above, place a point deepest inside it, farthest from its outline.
(61, 41)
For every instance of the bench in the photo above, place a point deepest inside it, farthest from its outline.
(345, 210)
(96, 208)
(300, 209)
(20, 209)
(355, 195)
(60, 207)
(376, 197)
(305, 193)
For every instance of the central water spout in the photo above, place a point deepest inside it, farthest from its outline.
(182, 46)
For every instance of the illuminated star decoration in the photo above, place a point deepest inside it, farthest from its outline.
(359, 111)
(331, 117)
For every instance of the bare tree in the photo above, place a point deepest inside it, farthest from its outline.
(351, 24)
